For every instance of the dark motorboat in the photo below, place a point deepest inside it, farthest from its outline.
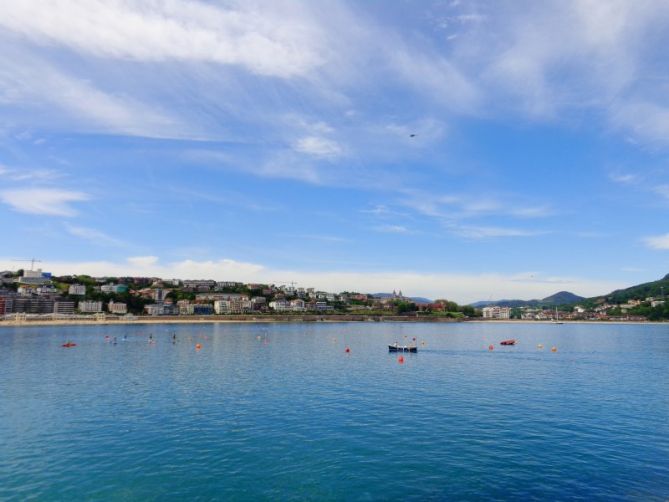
(511, 341)
(402, 348)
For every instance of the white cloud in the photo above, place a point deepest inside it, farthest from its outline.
(271, 39)
(463, 288)
(46, 201)
(95, 236)
(324, 238)
(393, 229)
(143, 261)
(623, 178)
(476, 232)
(318, 147)
(657, 242)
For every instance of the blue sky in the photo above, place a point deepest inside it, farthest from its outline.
(467, 150)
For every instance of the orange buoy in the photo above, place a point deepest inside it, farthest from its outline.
(553, 349)
(348, 351)
(491, 347)
(400, 359)
(198, 346)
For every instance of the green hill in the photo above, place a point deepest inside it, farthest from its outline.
(655, 289)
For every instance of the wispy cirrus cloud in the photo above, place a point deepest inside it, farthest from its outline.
(393, 229)
(624, 178)
(177, 30)
(462, 206)
(486, 232)
(662, 190)
(44, 201)
(94, 236)
(27, 174)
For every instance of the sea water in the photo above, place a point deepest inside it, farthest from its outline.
(283, 412)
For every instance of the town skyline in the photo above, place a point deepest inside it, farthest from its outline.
(469, 149)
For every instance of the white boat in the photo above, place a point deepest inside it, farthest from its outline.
(557, 317)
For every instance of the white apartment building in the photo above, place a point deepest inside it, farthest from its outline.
(496, 313)
(77, 289)
(297, 305)
(117, 308)
(279, 305)
(233, 305)
(90, 307)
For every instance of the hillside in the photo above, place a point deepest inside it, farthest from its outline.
(557, 299)
(639, 292)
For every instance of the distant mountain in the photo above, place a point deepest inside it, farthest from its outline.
(561, 298)
(415, 299)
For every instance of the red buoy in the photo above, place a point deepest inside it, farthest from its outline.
(400, 359)
(348, 351)
(491, 347)
(198, 346)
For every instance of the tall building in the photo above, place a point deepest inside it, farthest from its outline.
(33, 305)
(63, 307)
(6, 304)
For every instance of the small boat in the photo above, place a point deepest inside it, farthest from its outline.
(69, 344)
(402, 348)
(510, 341)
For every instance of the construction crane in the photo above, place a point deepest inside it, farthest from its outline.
(32, 262)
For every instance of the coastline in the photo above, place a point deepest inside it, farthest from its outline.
(278, 319)
(275, 319)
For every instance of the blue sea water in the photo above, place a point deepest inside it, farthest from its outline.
(282, 412)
